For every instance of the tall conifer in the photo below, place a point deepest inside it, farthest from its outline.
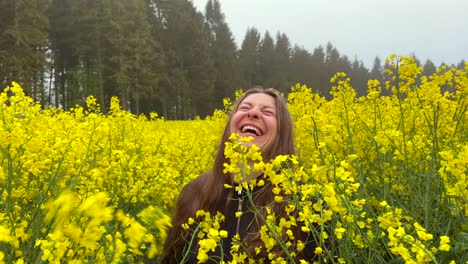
(23, 44)
(224, 53)
(249, 58)
(266, 57)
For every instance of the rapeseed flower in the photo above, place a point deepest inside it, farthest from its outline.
(386, 175)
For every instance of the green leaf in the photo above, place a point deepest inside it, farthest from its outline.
(462, 239)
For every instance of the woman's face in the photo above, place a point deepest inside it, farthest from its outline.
(256, 117)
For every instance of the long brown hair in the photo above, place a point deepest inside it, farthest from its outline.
(206, 191)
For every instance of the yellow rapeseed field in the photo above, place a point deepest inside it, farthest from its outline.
(384, 178)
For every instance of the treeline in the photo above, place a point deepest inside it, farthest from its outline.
(156, 55)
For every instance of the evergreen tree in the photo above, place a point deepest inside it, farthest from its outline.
(332, 56)
(224, 53)
(429, 68)
(266, 57)
(302, 68)
(89, 41)
(103, 48)
(23, 44)
(359, 76)
(319, 73)
(332, 60)
(188, 87)
(201, 71)
(77, 37)
(63, 38)
(377, 70)
(249, 58)
(134, 51)
(156, 55)
(282, 63)
(416, 59)
(151, 101)
(334, 63)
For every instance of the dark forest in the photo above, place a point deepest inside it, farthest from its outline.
(157, 56)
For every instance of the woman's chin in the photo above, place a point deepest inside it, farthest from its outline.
(259, 143)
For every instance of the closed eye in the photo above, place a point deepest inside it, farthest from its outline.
(244, 107)
(269, 113)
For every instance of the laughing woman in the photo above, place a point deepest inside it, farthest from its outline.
(263, 115)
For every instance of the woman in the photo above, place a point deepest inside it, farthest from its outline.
(263, 115)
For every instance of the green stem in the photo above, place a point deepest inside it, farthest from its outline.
(192, 238)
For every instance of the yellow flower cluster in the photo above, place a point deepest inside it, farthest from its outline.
(376, 179)
(454, 171)
(408, 149)
(207, 230)
(75, 228)
(84, 186)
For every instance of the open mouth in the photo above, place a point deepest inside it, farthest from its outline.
(251, 130)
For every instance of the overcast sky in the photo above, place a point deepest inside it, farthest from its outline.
(430, 29)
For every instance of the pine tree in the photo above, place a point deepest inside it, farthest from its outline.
(188, 88)
(266, 57)
(94, 50)
(103, 48)
(90, 24)
(461, 65)
(23, 44)
(377, 71)
(320, 80)
(302, 68)
(332, 60)
(201, 70)
(429, 68)
(416, 59)
(249, 58)
(64, 35)
(282, 63)
(224, 53)
(359, 76)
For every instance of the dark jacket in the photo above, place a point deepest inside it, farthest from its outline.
(231, 203)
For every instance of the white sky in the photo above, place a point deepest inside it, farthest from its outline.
(430, 29)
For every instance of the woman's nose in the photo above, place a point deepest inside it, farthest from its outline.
(253, 112)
